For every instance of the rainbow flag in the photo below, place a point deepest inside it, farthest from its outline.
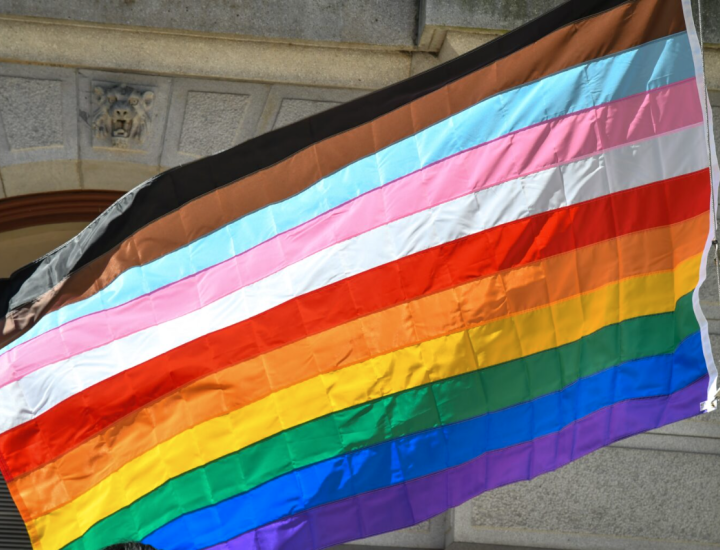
(351, 324)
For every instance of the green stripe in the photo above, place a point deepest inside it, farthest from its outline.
(411, 411)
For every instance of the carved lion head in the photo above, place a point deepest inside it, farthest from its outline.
(122, 114)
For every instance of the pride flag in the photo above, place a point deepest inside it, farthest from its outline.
(351, 324)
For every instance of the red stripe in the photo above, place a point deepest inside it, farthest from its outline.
(71, 422)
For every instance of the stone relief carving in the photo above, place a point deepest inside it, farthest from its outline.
(122, 115)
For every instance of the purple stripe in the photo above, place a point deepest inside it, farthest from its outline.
(409, 503)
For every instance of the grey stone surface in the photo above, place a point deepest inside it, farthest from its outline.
(710, 19)
(704, 425)
(484, 14)
(452, 546)
(638, 497)
(715, 100)
(38, 114)
(375, 22)
(457, 43)
(709, 293)
(673, 442)
(363, 21)
(510, 14)
(211, 122)
(193, 55)
(360, 21)
(363, 546)
(428, 534)
(292, 110)
(422, 62)
(286, 104)
(30, 113)
(712, 67)
(40, 177)
(475, 546)
(207, 116)
(118, 176)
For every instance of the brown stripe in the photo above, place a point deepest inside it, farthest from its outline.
(624, 27)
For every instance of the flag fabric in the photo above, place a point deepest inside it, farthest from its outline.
(353, 323)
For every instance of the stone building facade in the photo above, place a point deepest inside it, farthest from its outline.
(97, 96)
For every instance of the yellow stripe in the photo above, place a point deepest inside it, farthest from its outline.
(479, 347)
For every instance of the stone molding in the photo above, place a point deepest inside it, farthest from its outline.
(379, 22)
(440, 16)
(363, 66)
(33, 102)
(398, 24)
(54, 207)
(153, 51)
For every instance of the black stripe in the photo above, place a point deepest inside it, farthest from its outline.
(176, 187)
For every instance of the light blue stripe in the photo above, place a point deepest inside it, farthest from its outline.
(647, 67)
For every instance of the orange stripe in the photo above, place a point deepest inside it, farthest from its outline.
(531, 286)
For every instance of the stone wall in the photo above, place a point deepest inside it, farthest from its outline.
(218, 73)
(48, 141)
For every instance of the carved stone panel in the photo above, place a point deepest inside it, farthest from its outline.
(122, 119)
(37, 114)
(288, 104)
(292, 110)
(209, 116)
(122, 115)
(211, 122)
(38, 129)
(30, 112)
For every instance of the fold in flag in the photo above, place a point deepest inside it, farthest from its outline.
(351, 324)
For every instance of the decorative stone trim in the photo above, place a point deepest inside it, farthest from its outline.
(121, 116)
(54, 207)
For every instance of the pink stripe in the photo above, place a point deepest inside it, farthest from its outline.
(533, 149)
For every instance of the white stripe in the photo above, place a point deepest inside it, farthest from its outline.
(612, 171)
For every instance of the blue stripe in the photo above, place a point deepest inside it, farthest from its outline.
(647, 67)
(421, 454)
